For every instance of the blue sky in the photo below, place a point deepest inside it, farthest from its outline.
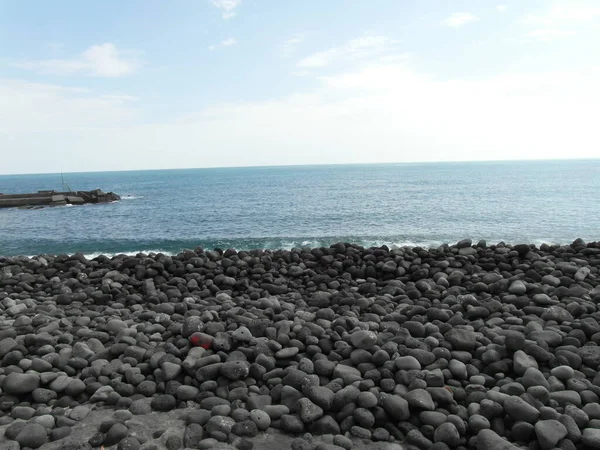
(114, 85)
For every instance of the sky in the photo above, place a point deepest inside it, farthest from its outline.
(148, 84)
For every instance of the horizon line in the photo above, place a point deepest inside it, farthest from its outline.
(310, 165)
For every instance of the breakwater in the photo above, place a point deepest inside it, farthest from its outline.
(54, 198)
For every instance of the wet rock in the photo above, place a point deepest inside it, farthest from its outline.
(549, 433)
(490, 440)
(32, 435)
(363, 339)
(462, 339)
(114, 435)
(420, 399)
(20, 383)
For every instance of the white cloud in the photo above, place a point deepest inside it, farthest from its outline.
(549, 34)
(103, 60)
(456, 20)
(552, 23)
(501, 8)
(227, 6)
(226, 43)
(561, 13)
(360, 48)
(380, 113)
(289, 46)
(57, 109)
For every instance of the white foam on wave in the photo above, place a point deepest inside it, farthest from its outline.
(131, 197)
(131, 253)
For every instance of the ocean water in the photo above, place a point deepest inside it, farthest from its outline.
(284, 207)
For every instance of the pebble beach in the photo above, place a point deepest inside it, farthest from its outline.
(462, 346)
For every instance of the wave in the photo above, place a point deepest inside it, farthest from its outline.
(111, 248)
(131, 197)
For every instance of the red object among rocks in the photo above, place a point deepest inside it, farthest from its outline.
(201, 340)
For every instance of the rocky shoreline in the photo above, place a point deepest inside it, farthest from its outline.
(458, 347)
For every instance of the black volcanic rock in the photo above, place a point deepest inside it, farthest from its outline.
(456, 347)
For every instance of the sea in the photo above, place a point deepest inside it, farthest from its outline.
(425, 204)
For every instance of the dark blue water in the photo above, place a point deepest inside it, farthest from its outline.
(284, 207)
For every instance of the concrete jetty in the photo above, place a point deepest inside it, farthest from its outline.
(54, 198)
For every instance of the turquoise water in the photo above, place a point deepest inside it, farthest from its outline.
(284, 207)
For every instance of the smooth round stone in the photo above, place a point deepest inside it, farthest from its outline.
(193, 435)
(490, 440)
(477, 423)
(540, 393)
(517, 288)
(198, 416)
(518, 409)
(522, 361)
(75, 388)
(424, 357)
(396, 407)
(20, 383)
(163, 403)
(140, 407)
(235, 370)
(32, 435)
(342, 441)
(246, 428)
(478, 380)
(421, 399)
(557, 314)
(41, 395)
(123, 415)
(592, 410)
(207, 444)
(186, 393)
(291, 424)
(578, 415)
(240, 414)
(261, 419)
(364, 417)
(433, 418)
(116, 432)
(46, 420)
(407, 363)
(367, 400)
(448, 434)
(219, 424)
(22, 412)
(170, 370)
(363, 339)
(565, 397)
(591, 438)
(381, 434)
(308, 411)
(242, 334)
(549, 432)
(563, 373)
(79, 413)
(533, 377)
(13, 430)
(220, 410)
(458, 369)
(360, 432)
(129, 443)
(514, 341)
(288, 352)
(59, 433)
(275, 412)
